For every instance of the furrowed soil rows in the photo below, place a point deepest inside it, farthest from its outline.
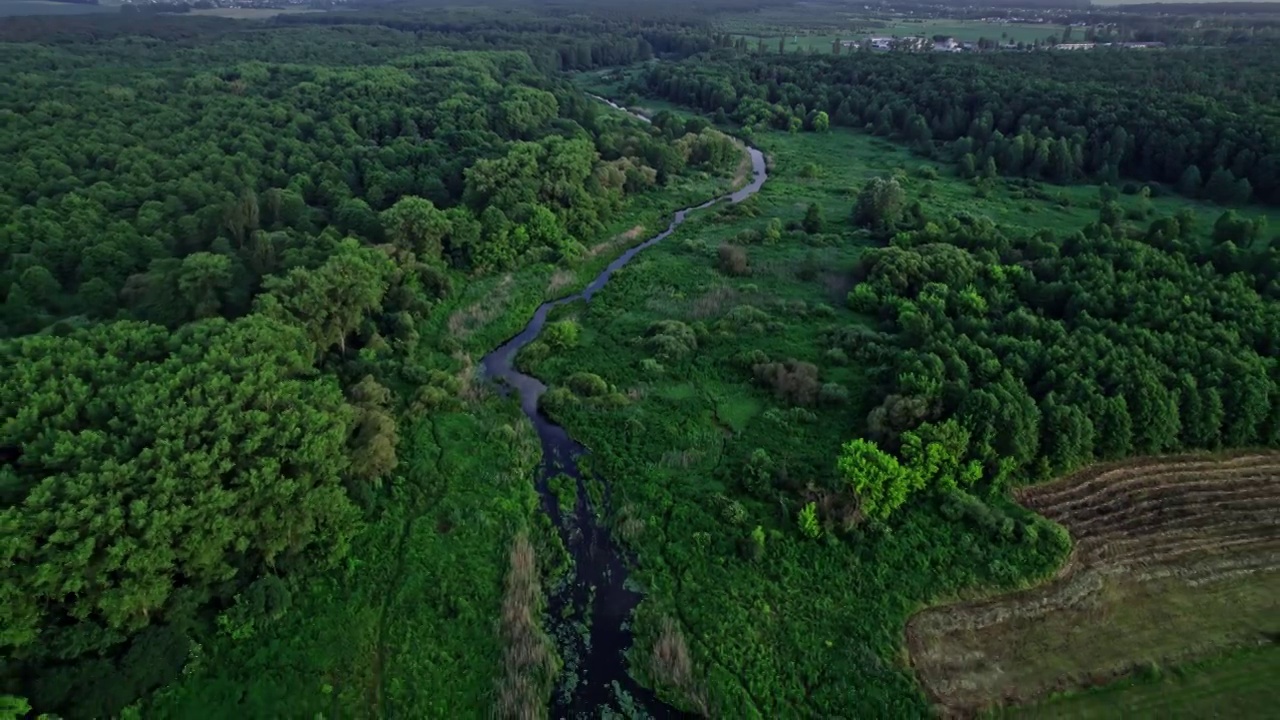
(1174, 558)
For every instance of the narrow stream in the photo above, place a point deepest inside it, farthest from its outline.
(590, 615)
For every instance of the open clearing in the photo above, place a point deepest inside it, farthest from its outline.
(252, 13)
(1174, 558)
(1239, 684)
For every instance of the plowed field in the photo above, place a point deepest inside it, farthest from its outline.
(1174, 558)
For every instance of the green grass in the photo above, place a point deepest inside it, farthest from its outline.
(736, 412)
(1240, 684)
(812, 627)
(565, 490)
(407, 628)
(972, 30)
(820, 40)
(1004, 202)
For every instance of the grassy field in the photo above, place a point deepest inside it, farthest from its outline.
(707, 464)
(1241, 684)
(252, 13)
(831, 169)
(971, 30)
(1174, 559)
(819, 40)
(407, 629)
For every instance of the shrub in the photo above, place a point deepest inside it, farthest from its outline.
(743, 316)
(561, 335)
(794, 382)
(651, 367)
(557, 399)
(672, 666)
(773, 231)
(534, 352)
(808, 520)
(833, 394)
(588, 384)
(430, 397)
(671, 340)
(751, 547)
(733, 512)
(614, 400)
(733, 260)
(758, 473)
(751, 358)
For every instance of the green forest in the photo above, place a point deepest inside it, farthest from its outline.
(253, 458)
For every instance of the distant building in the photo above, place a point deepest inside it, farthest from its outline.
(1075, 46)
(914, 43)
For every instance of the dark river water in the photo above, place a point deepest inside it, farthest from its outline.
(596, 596)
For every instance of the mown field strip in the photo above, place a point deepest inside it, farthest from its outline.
(1173, 559)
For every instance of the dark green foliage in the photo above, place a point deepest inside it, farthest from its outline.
(397, 148)
(733, 260)
(1132, 114)
(173, 464)
(813, 219)
(880, 205)
(793, 381)
(231, 260)
(1044, 364)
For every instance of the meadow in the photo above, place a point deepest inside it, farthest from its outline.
(659, 385)
(252, 13)
(1238, 684)
(710, 463)
(1173, 560)
(820, 39)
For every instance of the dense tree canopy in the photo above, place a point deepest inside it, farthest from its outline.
(1201, 121)
(1052, 351)
(215, 254)
(149, 469)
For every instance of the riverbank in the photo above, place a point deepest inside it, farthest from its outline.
(591, 608)
(407, 627)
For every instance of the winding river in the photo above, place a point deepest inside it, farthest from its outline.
(596, 598)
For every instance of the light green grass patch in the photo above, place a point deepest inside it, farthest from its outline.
(1242, 684)
(737, 411)
(679, 391)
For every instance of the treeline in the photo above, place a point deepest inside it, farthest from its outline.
(1044, 352)
(482, 158)
(213, 274)
(570, 41)
(1203, 123)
